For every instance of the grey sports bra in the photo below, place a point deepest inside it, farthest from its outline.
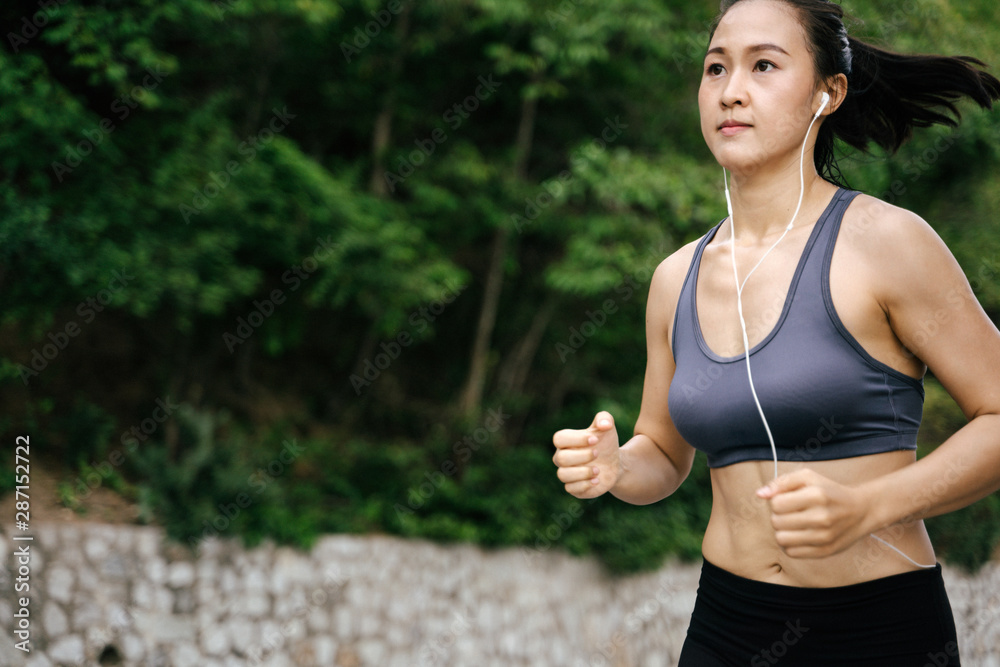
(823, 395)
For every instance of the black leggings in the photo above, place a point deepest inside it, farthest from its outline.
(903, 620)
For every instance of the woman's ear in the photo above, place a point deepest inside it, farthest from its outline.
(837, 88)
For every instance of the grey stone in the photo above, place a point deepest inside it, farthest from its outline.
(207, 570)
(60, 584)
(215, 641)
(156, 570)
(86, 614)
(325, 650)
(290, 604)
(54, 620)
(119, 617)
(181, 574)
(371, 651)
(96, 549)
(256, 605)
(229, 583)
(88, 580)
(165, 628)
(343, 624)
(46, 536)
(185, 653)
(372, 600)
(147, 542)
(133, 648)
(114, 567)
(184, 601)
(67, 649)
(255, 580)
(38, 660)
(319, 620)
(290, 568)
(242, 634)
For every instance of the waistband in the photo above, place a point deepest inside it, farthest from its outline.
(759, 592)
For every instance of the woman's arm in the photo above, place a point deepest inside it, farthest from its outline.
(657, 459)
(934, 312)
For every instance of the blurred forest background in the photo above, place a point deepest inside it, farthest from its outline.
(274, 268)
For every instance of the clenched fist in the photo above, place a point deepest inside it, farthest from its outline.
(588, 460)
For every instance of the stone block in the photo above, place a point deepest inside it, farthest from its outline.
(180, 574)
(68, 649)
(215, 640)
(60, 582)
(54, 620)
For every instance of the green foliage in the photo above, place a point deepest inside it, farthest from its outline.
(968, 538)
(251, 205)
(8, 477)
(941, 418)
(189, 496)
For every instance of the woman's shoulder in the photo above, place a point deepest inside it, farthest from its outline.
(896, 244)
(666, 285)
(877, 222)
(882, 230)
(671, 272)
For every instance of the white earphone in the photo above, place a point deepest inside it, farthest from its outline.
(826, 100)
(739, 296)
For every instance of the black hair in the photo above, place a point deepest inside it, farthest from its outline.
(888, 93)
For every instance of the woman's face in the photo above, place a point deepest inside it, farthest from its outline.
(758, 90)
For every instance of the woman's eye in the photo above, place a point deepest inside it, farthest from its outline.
(714, 69)
(765, 64)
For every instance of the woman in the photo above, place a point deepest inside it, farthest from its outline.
(815, 552)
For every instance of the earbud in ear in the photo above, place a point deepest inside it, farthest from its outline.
(826, 100)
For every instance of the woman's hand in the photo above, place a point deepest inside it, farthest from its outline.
(813, 516)
(588, 460)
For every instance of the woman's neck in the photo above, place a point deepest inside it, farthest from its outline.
(763, 204)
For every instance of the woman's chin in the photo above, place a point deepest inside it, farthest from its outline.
(738, 164)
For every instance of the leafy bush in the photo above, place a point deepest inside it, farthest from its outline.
(198, 495)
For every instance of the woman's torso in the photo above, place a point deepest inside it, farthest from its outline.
(739, 537)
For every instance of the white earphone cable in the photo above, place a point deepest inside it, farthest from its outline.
(739, 297)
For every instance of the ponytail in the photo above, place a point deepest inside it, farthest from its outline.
(888, 94)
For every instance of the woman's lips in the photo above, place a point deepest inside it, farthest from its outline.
(732, 128)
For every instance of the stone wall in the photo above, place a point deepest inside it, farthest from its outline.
(120, 595)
